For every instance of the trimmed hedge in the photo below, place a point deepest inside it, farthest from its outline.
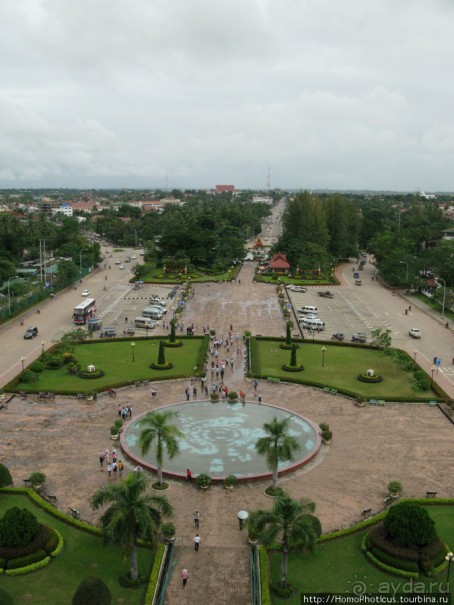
(378, 539)
(400, 564)
(154, 576)
(26, 560)
(264, 576)
(389, 569)
(29, 568)
(59, 546)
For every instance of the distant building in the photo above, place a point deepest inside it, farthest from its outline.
(262, 199)
(64, 208)
(225, 188)
(427, 196)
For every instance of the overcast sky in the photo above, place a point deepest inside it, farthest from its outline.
(193, 93)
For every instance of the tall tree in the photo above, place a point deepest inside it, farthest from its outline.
(133, 514)
(277, 446)
(157, 429)
(289, 522)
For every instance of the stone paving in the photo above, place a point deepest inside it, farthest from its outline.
(371, 446)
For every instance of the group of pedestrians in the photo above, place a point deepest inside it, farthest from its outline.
(114, 466)
(124, 411)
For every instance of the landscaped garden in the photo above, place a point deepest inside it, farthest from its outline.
(83, 555)
(339, 566)
(338, 366)
(120, 363)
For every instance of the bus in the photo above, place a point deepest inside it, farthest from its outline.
(84, 310)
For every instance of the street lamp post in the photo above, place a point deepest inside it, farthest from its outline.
(449, 557)
(9, 297)
(402, 262)
(323, 356)
(80, 259)
(133, 344)
(432, 369)
(415, 352)
(23, 362)
(43, 342)
(444, 296)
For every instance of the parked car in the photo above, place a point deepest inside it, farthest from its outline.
(108, 333)
(31, 333)
(117, 261)
(359, 337)
(121, 267)
(338, 336)
(358, 282)
(299, 289)
(85, 292)
(309, 317)
(326, 294)
(415, 332)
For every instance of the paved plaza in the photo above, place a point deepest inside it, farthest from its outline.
(371, 446)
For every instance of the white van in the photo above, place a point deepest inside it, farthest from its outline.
(145, 322)
(308, 309)
(151, 313)
(314, 324)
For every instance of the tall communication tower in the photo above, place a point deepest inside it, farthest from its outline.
(268, 180)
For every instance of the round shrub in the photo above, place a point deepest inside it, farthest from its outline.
(408, 524)
(37, 367)
(28, 377)
(125, 581)
(5, 476)
(55, 361)
(92, 591)
(18, 527)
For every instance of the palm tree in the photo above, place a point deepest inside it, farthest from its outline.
(290, 523)
(278, 446)
(133, 514)
(166, 436)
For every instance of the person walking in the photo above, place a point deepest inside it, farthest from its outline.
(196, 519)
(109, 469)
(101, 459)
(184, 576)
(196, 539)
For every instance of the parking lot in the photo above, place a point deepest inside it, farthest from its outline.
(348, 312)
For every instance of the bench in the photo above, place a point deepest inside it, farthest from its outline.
(387, 501)
(75, 513)
(366, 512)
(271, 379)
(431, 494)
(380, 402)
(51, 499)
(27, 482)
(333, 391)
(373, 401)
(326, 389)
(433, 402)
(23, 394)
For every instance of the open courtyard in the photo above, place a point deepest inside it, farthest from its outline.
(371, 446)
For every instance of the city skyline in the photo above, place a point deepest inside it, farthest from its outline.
(188, 95)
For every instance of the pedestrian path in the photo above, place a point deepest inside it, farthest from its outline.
(218, 575)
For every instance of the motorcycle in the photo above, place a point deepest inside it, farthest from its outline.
(338, 336)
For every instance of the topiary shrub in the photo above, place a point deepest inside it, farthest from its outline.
(5, 476)
(18, 527)
(26, 560)
(92, 591)
(408, 524)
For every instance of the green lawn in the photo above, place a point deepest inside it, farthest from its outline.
(82, 555)
(342, 366)
(116, 359)
(339, 566)
(157, 275)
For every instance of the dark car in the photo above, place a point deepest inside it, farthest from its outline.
(326, 294)
(338, 336)
(359, 337)
(31, 333)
